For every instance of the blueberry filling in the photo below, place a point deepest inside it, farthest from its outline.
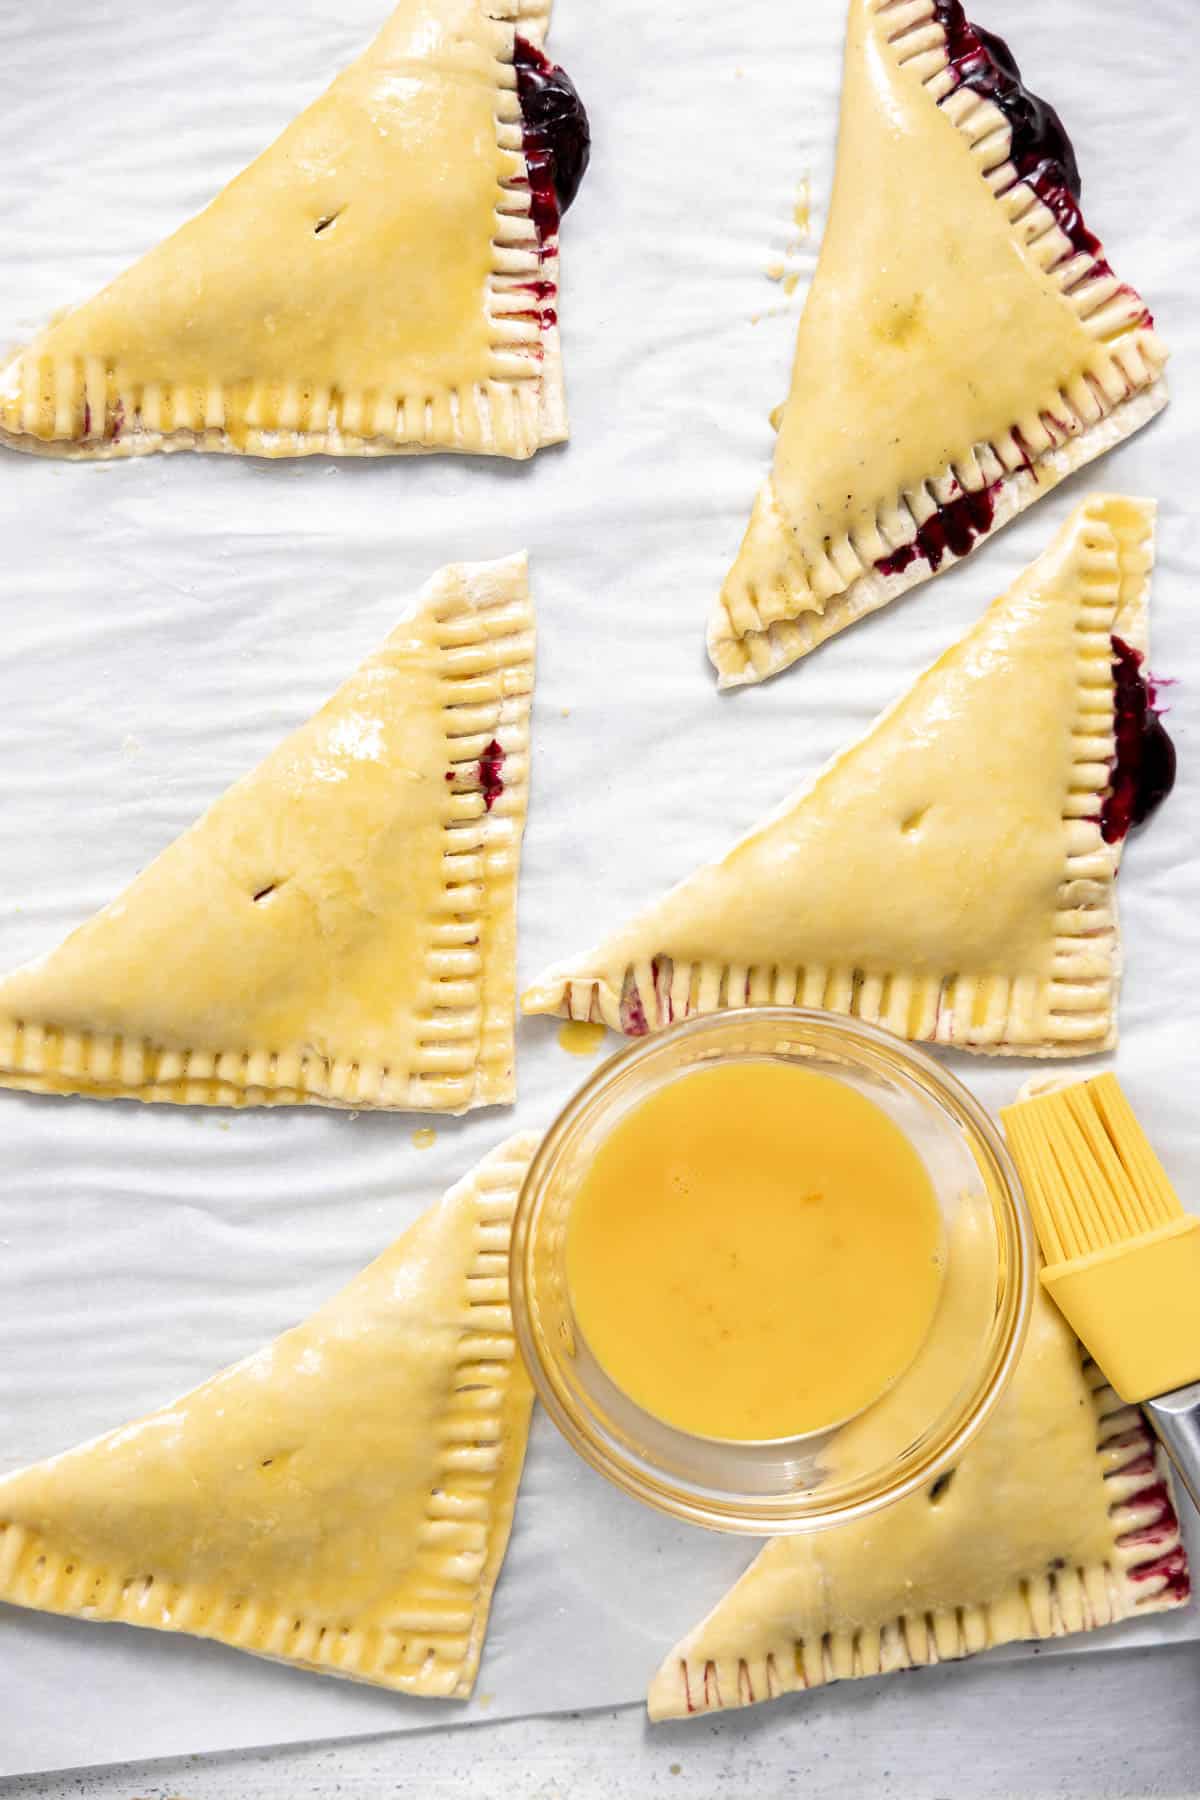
(558, 142)
(1144, 768)
(951, 530)
(491, 777)
(1043, 156)
(1041, 152)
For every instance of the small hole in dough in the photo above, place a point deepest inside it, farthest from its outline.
(324, 224)
(941, 1488)
(914, 821)
(266, 892)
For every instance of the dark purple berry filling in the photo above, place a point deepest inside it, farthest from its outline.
(951, 530)
(558, 141)
(1041, 153)
(1144, 768)
(491, 778)
(1043, 156)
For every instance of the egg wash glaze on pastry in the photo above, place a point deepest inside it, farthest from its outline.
(754, 1252)
(381, 279)
(964, 346)
(1059, 1518)
(1043, 156)
(996, 796)
(340, 927)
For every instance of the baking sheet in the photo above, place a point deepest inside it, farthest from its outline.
(165, 622)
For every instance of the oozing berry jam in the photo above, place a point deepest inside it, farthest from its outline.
(1171, 1568)
(1043, 156)
(558, 141)
(952, 530)
(1041, 152)
(491, 779)
(1144, 768)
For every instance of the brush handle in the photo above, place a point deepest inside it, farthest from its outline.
(1176, 1419)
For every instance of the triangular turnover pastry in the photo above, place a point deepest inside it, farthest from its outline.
(964, 346)
(341, 1500)
(951, 876)
(1059, 1518)
(340, 926)
(382, 278)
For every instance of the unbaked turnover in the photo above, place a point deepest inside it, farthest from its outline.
(383, 278)
(340, 927)
(952, 875)
(1059, 1518)
(965, 344)
(341, 1500)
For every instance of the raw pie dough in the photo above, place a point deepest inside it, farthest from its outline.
(946, 877)
(372, 283)
(341, 1500)
(1059, 1518)
(340, 927)
(946, 297)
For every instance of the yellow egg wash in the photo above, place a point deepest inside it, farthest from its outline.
(579, 1037)
(755, 1252)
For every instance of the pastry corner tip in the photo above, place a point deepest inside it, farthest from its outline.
(542, 998)
(729, 664)
(667, 1696)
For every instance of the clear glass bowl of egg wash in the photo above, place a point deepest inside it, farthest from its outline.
(771, 1270)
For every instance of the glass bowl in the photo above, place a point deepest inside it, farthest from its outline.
(920, 1427)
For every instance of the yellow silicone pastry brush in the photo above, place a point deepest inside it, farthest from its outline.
(1122, 1255)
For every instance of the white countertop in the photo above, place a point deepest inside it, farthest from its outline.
(1125, 1725)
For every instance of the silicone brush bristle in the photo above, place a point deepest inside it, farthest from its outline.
(1091, 1178)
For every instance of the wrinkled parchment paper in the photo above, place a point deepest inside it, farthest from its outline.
(165, 622)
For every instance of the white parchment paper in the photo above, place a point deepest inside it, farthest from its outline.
(165, 622)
